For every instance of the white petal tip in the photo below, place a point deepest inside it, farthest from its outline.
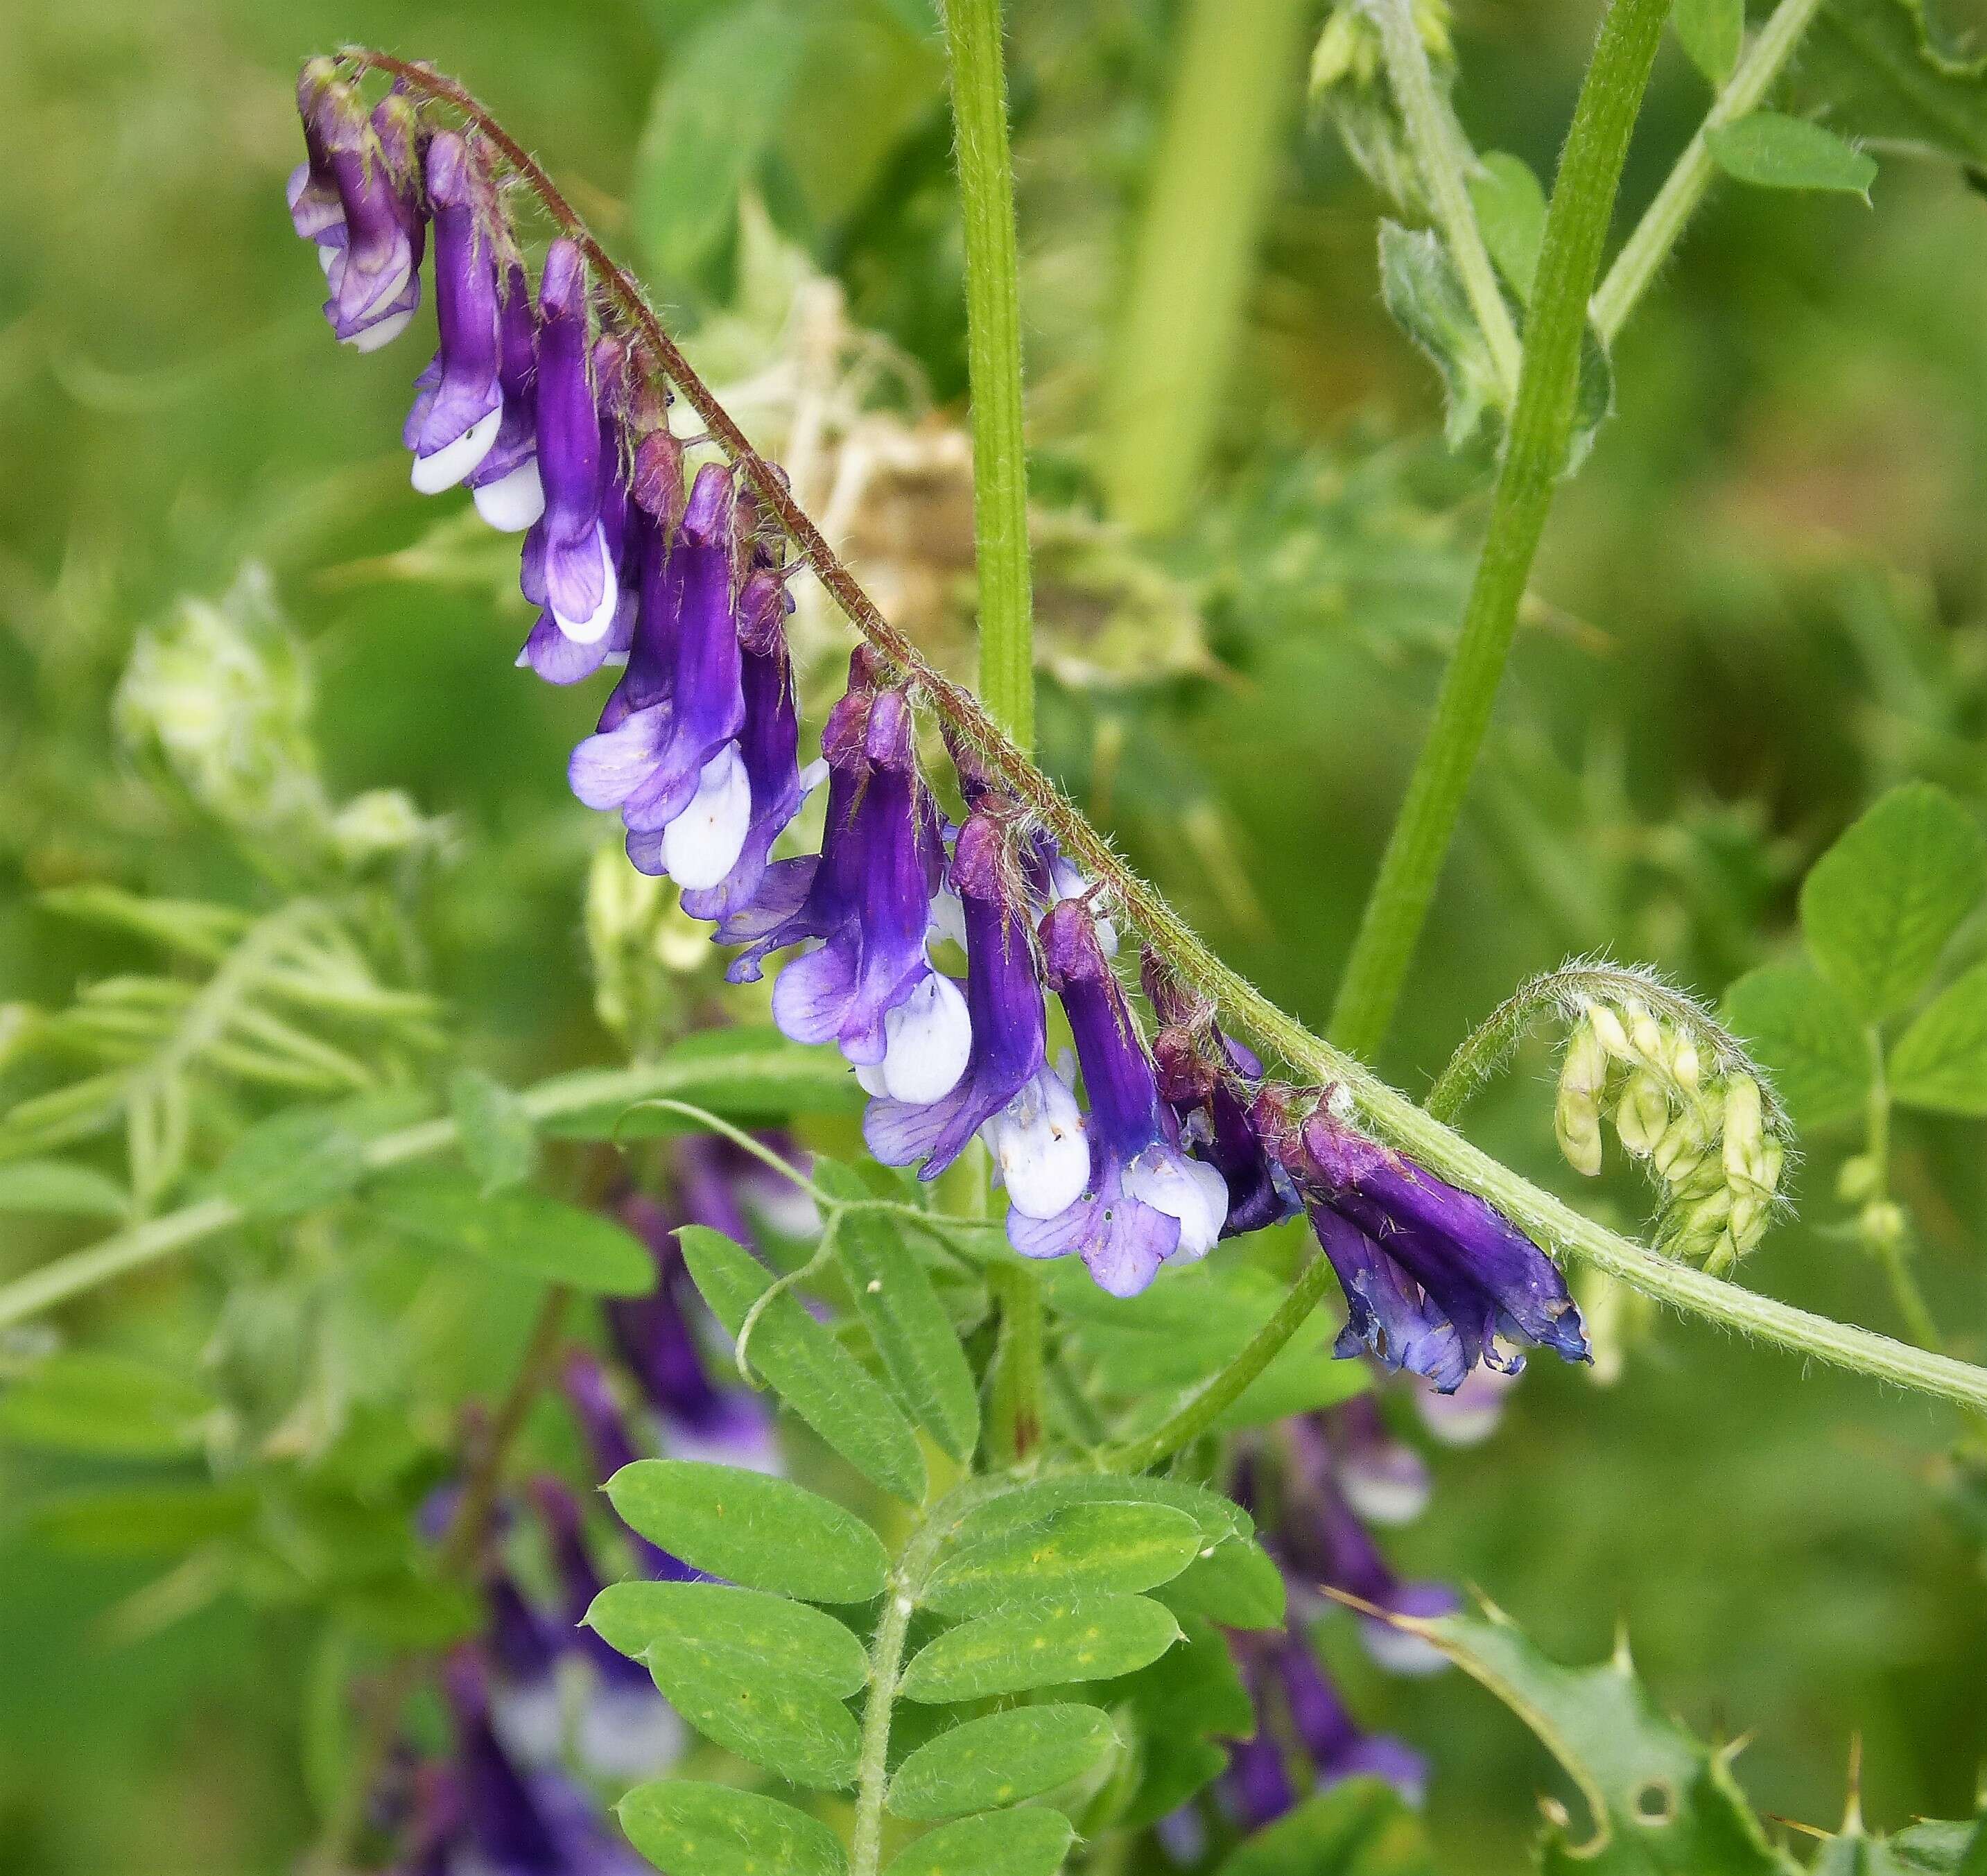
(449, 464)
(514, 501)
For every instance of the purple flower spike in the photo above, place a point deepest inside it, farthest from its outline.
(1033, 1127)
(1146, 1200)
(568, 565)
(456, 418)
(672, 765)
(509, 495)
(870, 988)
(372, 248)
(769, 745)
(1432, 1274)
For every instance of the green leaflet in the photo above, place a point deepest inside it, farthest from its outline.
(520, 1229)
(1879, 906)
(1940, 1062)
(1026, 1843)
(762, 1633)
(1659, 1801)
(913, 1334)
(1049, 1644)
(1219, 1518)
(1802, 1030)
(1712, 33)
(1191, 1694)
(494, 1126)
(746, 1074)
(687, 1829)
(1510, 207)
(1000, 1759)
(765, 1533)
(1074, 1550)
(811, 1372)
(142, 1520)
(292, 1163)
(743, 1704)
(1880, 70)
(61, 1187)
(1359, 1828)
(1930, 1848)
(1236, 1584)
(81, 1400)
(1773, 151)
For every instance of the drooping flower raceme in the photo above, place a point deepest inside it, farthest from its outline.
(1432, 1276)
(1146, 1200)
(1028, 1115)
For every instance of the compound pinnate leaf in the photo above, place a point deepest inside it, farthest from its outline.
(1002, 1759)
(86, 1401)
(915, 1337)
(521, 1230)
(1236, 1584)
(688, 1829)
(1940, 1061)
(1805, 1033)
(1073, 1551)
(765, 1533)
(1047, 1644)
(811, 1372)
(1879, 906)
(1774, 151)
(495, 1127)
(1024, 1843)
(1361, 1827)
(1659, 1801)
(767, 1634)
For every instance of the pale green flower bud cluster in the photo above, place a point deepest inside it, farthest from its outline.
(641, 941)
(216, 701)
(1702, 1133)
(1348, 83)
(1348, 49)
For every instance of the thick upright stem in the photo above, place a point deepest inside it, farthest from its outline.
(1234, 85)
(1535, 456)
(1662, 224)
(993, 364)
(1439, 159)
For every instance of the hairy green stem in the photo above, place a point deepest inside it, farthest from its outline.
(1439, 155)
(1389, 1115)
(993, 367)
(1235, 83)
(886, 1662)
(1535, 456)
(1209, 1402)
(1014, 1404)
(1662, 224)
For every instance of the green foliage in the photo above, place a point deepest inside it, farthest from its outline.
(57, 1186)
(1233, 1583)
(495, 1128)
(894, 1299)
(1712, 31)
(85, 1401)
(1805, 1031)
(1079, 1549)
(517, 1229)
(1422, 291)
(812, 1372)
(1940, 1062)
(687, 1829)
(739, 1627)
(1884, 72)
(1358, 1828)
(1929, 1848)
(1773, 151)
(1000, 1760)
(1053, 1643)
(1023, 1843)
(295, 1161)
(1510, 207)
(1658, 1799)
(765, 1532)
(1176, 1709)
(751, 1075)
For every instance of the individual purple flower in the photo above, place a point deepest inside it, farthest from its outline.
(510, 1823)
(655, 1335)
(671, 763)
(1432, 1274)
(1257, 1788)
(1033, 1125)
(870, 987)
(1468, 1416)
(509, 495)
(371, 246)
(1384, 1479)
(768, 745)
(456, 417)
(1146, 1200)
(569, 564)
(523, 1646)
(1207, 1079)
(624, 1729)
(1321, 1543)
(1333, 1742)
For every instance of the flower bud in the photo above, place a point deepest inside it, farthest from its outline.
(1744, 1130)
(1685, 1142)
(1685, 1069)
(1646, 1039)
(1643, 1113)
(1858, 1179)
(1609, 1027)
(1583, 1079)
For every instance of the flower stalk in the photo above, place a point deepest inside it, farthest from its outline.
(1535, 457)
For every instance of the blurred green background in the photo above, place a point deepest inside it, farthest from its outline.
(1764, 600)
